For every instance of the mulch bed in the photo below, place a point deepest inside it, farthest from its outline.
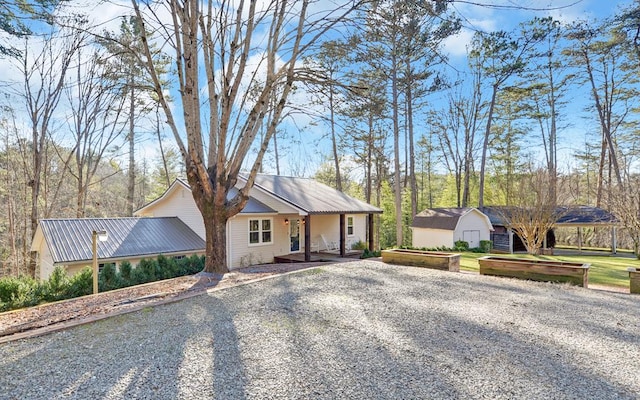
(45, 318)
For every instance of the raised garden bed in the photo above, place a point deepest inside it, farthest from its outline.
(634, 280)
(426, 259)
(535, 270)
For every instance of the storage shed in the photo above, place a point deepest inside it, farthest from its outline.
(442, 227)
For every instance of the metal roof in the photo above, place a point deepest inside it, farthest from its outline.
(70, 240)
(253, 206)
(312, 196)
(568, 215)
(439, 218)
(586, 215)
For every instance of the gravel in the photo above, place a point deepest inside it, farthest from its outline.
(360, 330)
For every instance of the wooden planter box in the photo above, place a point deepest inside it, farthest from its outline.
(535, 270)
(426, 259)
(634, 280)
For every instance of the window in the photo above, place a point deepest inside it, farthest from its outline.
(260, 231)
(349, 226)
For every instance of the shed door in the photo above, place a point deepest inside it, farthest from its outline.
(471, 237)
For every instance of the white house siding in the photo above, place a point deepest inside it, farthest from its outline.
(73, 269)
(329, 226)
(431, 238)
(45, 261)
(359, 228)
(472, 225)
(179, 203)
(241, 254)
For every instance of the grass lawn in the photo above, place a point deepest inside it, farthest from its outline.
(605, 270)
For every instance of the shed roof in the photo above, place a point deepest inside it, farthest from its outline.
(312, 196)
(70, 240)
(440, 218)
(569, 215)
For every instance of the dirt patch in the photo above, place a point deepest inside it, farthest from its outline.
(50, 317)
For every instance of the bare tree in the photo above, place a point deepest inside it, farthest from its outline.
(626, 206)
(96, 106)
(234, 47)
(534, 211)
(43, 78)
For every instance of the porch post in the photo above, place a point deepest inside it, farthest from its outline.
(580, 238)
(370, 223)
(342, 235)
(510, 240)
(307, 238)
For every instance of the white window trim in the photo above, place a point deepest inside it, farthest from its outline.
(353, 226)
(260, 231)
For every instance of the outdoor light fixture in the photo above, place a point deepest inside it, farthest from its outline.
(286, 221)
(101, 236)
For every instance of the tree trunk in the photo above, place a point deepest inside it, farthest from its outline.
(336, 156)
(369, 162)
(485, 145)
(412, 153)
(216, 242)
(131, 186)
(396, 149)
(165, 166)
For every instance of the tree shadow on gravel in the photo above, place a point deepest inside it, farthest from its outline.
(228, 375)
(368, 336)
(187, 349)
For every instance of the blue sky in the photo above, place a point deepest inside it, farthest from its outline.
(304, 158)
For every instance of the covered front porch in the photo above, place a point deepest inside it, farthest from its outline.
(318, 237)
(320, 256)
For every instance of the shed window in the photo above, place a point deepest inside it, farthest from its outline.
(260, 231)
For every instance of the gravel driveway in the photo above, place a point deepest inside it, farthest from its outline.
(356, 330)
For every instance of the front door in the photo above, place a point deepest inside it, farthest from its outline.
(294, 235)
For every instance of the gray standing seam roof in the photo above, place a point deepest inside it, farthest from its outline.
(70, 240)
(312, 196)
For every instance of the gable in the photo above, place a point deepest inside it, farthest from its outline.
(450, 218)
(175, 198)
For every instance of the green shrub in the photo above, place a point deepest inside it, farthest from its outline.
(56, 287)
(81, 284)
(168, 267)
(25, 292)
(191, 265)
(19, 292)
(143, 273)
(359, 245)
(461, 245)
(369, 254)
(9, 286)
(108, 278)
(147, 269)
(486, 246)
(125, 272)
